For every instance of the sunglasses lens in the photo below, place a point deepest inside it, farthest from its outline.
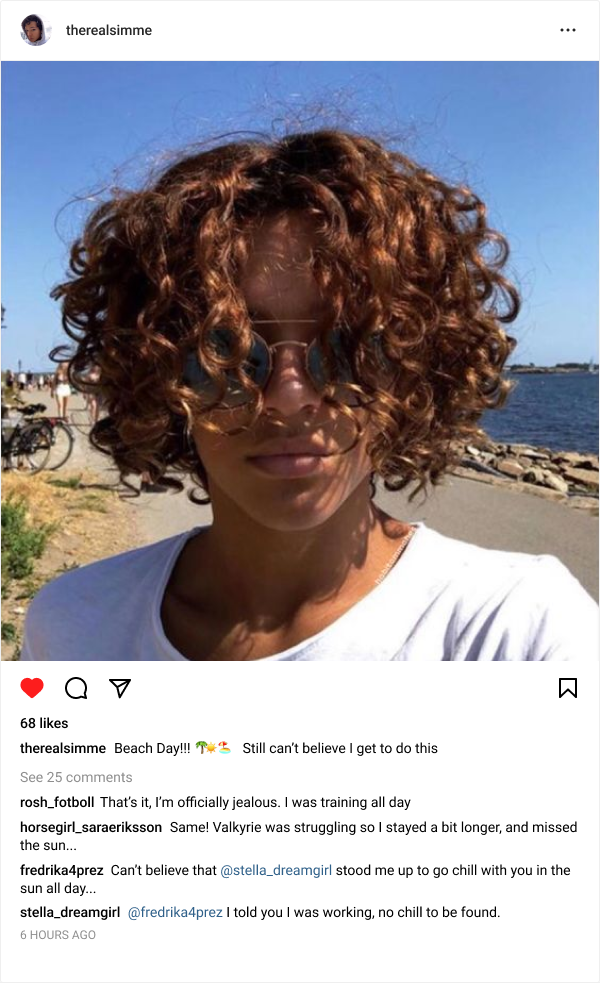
(258, 364)
(331, 365)
(335, 366)
(221, 343)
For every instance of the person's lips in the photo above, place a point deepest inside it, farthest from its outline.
(290, 459)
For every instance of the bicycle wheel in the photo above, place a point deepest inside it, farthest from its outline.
(62, 441)
(31, 450)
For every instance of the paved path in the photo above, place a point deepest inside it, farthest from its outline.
(502, 519)
(469, 510)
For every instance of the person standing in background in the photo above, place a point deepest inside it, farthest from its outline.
(61, 388)
(93, 399)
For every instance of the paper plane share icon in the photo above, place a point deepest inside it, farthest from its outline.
(120, 685)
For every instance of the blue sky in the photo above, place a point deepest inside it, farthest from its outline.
(524, 135)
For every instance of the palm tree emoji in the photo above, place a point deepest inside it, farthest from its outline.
(201, 745)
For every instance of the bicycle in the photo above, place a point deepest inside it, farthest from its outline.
(60, 434)
(26, 447)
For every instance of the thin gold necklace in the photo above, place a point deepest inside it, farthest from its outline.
(396, 555)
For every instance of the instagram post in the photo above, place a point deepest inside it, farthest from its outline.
(299, 365)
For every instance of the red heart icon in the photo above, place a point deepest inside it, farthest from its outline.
(32, 686)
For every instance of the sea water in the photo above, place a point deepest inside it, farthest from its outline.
(555, 411)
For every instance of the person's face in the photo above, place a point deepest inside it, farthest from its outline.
(288, 472)
(32, 31)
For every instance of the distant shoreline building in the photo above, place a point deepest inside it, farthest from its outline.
(562, 368)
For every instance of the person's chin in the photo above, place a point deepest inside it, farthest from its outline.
(299, 506)
(300, 511)
(288, 502)
(289, 522)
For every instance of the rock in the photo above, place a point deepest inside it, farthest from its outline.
(516, 486)
(534, 476)
(566, 458)
(537, 470)
(546, 478)
(536, 455)
(555, 481)
(482, 442)
(539, 490)
(582, 477)
(472, 464)
(487, 479)
(524, 450)
(575, 460)
(512, 468)
(585, 502)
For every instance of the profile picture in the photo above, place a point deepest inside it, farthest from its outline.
(34, 31)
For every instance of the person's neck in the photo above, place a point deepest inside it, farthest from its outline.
(258, 571)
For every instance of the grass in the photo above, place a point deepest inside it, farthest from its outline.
(73, 482)
(9, 632)
(22, 543)
(28, 588)
(91, 503)
(67, 521)
(69, 566)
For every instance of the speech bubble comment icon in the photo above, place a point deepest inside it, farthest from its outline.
(76, 688)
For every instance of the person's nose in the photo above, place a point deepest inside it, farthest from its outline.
(290, 389)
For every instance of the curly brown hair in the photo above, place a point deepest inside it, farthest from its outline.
(397, 251)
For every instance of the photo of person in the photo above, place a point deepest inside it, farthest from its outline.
(285, 326)
(33, 31)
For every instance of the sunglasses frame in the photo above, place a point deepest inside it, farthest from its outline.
(307, 345)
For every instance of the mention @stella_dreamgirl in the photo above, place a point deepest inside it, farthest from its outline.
(108, 29)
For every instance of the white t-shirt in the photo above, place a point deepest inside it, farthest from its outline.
(443, 601)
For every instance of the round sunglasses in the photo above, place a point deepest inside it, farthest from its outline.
(322, 368)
